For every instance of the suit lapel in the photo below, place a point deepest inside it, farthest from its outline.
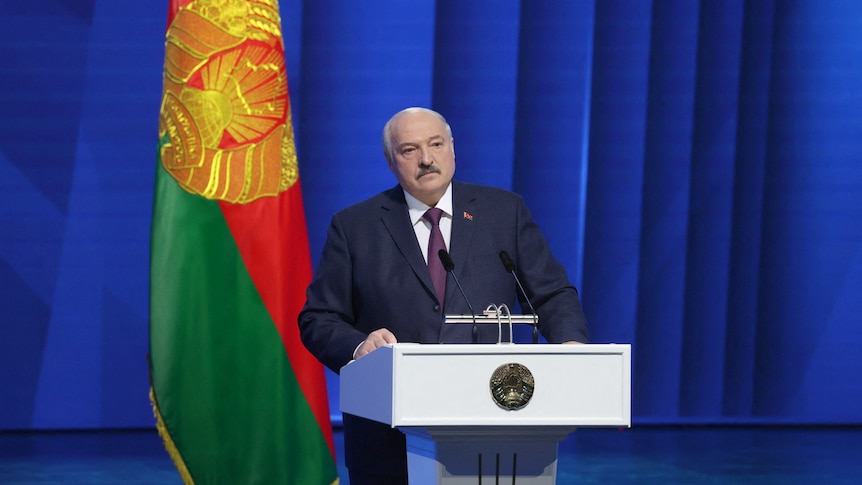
(394, 216)
(463, 227)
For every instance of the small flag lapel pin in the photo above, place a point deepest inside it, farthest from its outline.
(468, 216)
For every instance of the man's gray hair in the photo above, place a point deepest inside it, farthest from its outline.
(387, 128)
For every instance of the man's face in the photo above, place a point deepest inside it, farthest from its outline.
(423, 155)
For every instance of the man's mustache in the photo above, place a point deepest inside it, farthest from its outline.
(426, 170)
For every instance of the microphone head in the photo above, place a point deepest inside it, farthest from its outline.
(507, 261)
(448, 264)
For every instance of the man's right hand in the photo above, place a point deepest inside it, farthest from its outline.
(376, 339)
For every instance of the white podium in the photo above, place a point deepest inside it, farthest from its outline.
(440, 397)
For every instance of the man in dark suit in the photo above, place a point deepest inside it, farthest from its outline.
(373, 285)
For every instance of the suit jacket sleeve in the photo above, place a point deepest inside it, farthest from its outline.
(326, 323)
(561, 317)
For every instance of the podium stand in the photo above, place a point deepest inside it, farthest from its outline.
(442, 397)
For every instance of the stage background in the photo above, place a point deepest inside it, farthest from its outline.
(697, 166)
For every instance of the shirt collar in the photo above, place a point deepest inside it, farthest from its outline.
(417, 209)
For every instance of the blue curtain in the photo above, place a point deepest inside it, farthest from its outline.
(696, 165)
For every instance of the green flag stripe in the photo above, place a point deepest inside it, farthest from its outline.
(223, 382)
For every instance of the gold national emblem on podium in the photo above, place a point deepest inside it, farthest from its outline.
(225, 126)
(512, 386)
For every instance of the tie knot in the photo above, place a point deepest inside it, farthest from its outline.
(433, 215)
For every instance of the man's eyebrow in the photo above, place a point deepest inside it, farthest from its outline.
(413, 144)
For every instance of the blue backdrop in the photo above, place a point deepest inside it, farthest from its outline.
(697, 166)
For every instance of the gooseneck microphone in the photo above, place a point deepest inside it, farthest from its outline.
(510, 267)
(449, 266)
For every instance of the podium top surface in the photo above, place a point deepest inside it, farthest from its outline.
(503, 349)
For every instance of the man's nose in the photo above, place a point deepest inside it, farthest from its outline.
(425, 157)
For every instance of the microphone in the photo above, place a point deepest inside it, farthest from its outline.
(449, 266)
(510, 268)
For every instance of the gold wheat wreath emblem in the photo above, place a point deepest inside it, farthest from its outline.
(512, 386)
(225, 116)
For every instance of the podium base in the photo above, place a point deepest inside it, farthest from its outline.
(489, 455)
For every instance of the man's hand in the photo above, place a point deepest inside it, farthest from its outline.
(376, 339)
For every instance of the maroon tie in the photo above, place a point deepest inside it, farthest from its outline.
(435, 244)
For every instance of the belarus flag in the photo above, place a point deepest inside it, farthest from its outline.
(237, 397)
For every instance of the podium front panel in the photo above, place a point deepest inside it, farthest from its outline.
(450, 385)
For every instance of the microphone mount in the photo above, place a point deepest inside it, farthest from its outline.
(496, 314)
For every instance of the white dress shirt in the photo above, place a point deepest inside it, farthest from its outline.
(422, 227)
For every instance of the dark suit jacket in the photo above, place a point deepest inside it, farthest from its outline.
(372, 275)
